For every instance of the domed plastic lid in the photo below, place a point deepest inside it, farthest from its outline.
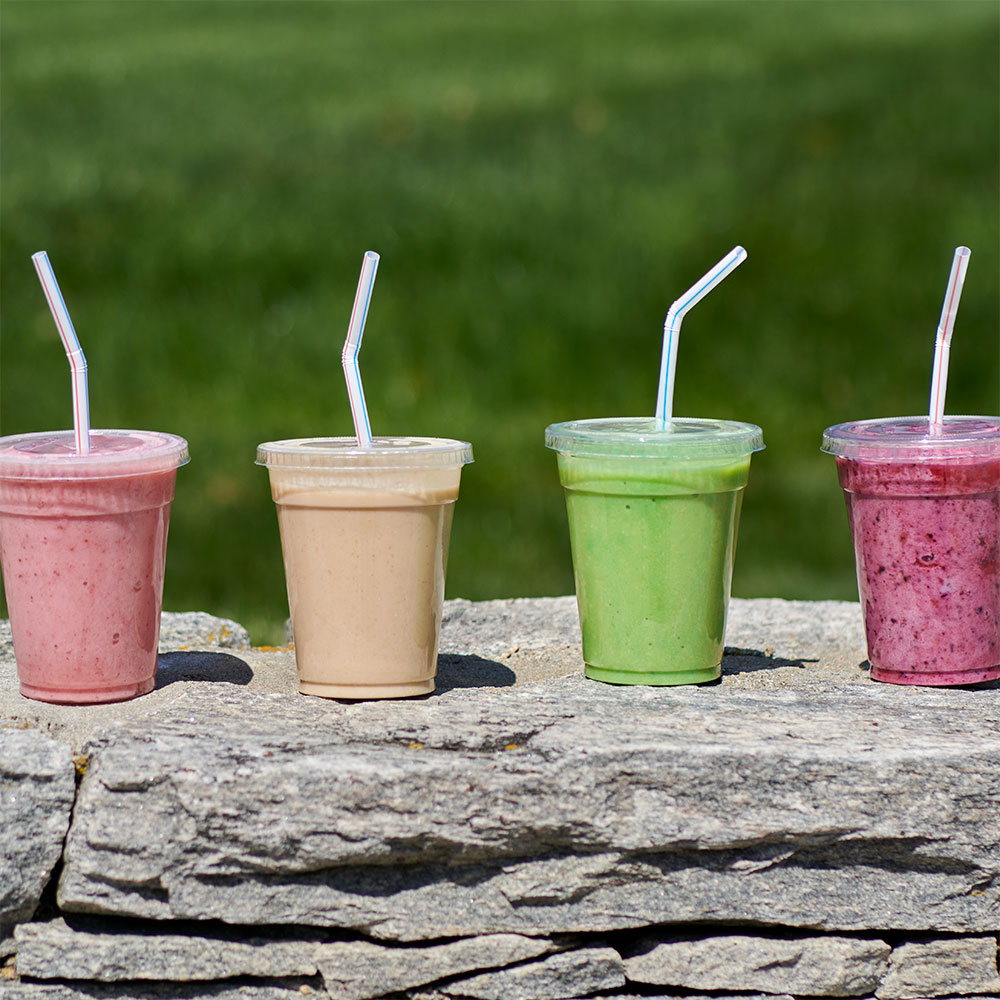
(345, 453)
(113, 453)
(642, 437)
(908, 439)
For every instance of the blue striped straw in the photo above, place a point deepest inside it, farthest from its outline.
(77, 362)
(942, 342)
(672, 329)
(352, 347)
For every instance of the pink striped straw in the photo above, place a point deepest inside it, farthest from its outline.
(942, 343)
(77, 362)
(352, 347)
(672, 329)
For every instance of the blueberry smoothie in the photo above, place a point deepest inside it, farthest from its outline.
(924, 512)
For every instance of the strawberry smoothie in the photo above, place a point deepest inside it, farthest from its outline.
(83, 545)
(924, 512)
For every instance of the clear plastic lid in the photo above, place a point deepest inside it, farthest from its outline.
(685, 437)
(113, 454)
(909, 439)
(344, 453)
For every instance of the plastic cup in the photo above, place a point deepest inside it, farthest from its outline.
(653, 517)
(924, 510)
(83, 542)
(364, 535)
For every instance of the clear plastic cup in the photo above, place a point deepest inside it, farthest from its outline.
(653, 518)
(364, 535)
(83, 541)
(924, 510)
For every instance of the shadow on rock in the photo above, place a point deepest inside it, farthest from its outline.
(743, 661)
(200, 666)
(456, 671)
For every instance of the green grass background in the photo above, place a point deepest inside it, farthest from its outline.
(542, 180)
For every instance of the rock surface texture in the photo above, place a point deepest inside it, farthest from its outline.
(794, 830)
(36, 798)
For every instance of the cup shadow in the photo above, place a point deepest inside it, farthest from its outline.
(742, 661)
(455, 670)
(201, 666)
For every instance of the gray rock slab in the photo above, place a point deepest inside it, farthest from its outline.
(360, 970)
(53, 950)
(157, 991)
(942, 967)
(37, 785)
(645, 995)
(561, 806)
(819, 965)
(771, 643)
(186, 630)
(568, 974)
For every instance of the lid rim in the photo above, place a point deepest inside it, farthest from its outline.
(343, 452)
(907, 438)
(161, 451)
(642, 437)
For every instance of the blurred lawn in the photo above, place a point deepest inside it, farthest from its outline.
(541, 179)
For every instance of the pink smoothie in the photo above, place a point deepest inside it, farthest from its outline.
(926, 530)
(83, 549)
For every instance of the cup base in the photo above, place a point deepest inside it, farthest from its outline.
(61, 696)
(362, 692)
(658, 678)
(939, 678)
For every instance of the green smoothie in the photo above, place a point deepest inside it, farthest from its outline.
(653, 526)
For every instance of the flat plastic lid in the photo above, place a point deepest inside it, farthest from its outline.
(113, 453)
(344, 453)
(685, 437)
(910, 439)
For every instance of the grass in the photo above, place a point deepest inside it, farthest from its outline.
(541, 179)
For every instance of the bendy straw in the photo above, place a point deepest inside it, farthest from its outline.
(942, 343)
(77, 361)
(352, 346)
(672, 329)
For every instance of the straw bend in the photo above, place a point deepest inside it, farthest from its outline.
(352, 347)
(672, 329)
(71, 344)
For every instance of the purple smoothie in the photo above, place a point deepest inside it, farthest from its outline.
(924, 512)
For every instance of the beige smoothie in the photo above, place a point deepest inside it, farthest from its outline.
(365, 551)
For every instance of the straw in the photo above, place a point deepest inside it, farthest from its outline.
(77, 362)
(352, 346)
(942, 343)
(672, 329)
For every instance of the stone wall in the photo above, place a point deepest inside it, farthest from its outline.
(793, 830)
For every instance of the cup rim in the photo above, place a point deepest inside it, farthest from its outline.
(387, 452)
(909, 439)
(642, 437)
(52, 455)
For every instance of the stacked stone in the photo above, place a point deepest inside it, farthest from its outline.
(559, 839)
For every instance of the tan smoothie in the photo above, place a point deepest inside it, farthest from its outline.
(365, 553)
